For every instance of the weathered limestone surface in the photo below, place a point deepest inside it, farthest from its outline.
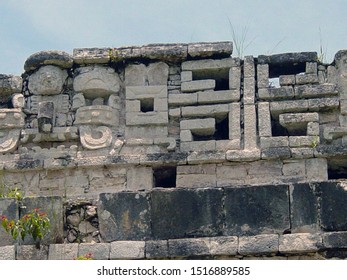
(58, 58)
(48, 80)
(120, 221)
(182, 150)
(199, 213)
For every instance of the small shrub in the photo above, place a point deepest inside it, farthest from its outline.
(35, 224)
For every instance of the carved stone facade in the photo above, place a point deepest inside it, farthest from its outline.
(174, 116)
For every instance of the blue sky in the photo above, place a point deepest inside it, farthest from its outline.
(274, 26)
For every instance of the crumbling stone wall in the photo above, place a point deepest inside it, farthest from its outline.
(177, 122)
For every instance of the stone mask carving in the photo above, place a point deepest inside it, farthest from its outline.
(48, 80)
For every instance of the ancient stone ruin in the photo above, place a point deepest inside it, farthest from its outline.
(177, 151)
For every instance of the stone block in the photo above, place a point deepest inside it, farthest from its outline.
(303, 79)
(223, 246)
(276, 153)
(157, 249)
(311, 68)
(201, 127)
(226, 145)
(272, 168)
(287, 80)
(204, 65)
(290, 106)
(288, 58)
(301, 152)
(30, 252)
(304, 208)
(343, 106)
(311, 91)
(256, 210)
(262, 75)
(9, 208)
(196, 169)
(221, 96)
(9, 84)
(189, 247)
(107, 184)
(163, 52)
(312, 129)
(234, 122)
(332, 206)
(175, 113)
(127, 250)
(322, 76)
(250, 127)
(243, 155)
(96, 81)
(248, 66)
(258, 245)
(235, 78)
(249, 90)
(149, 118)
(143, 92)
(133, 105)
(139, 178)
(48, 80)
(99, 251)
(335, 240)
(303, 141)
(203, 157)
(186, 136)
(186, 76)
(316, 169)
(228, 173)
(97, 115)
(183, 99)
(299, 243)
(58, 58)
(190, 176)
(7, 253)
(152, 75)
(285, 92)
(332, 74)
(274, 142)
(205, 50)
(320, 104)
(264, 119)
(291, 119)
(164, 159)
(11, 118)
(91, 55)
(179, 213)
(196, 181)
(198, 146)
(124, 216)
(63, 251)
(53, 207)
(145, 131)
(198, 85)
(205, 110)
(263, 94)
(294, 168)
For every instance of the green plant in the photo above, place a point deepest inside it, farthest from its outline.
(85, 257)
(315, 142)
(112, 55)
(240, 39)
(15, 193)
(35, 224)
(322, 56)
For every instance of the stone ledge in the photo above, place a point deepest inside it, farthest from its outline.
(293, 246)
